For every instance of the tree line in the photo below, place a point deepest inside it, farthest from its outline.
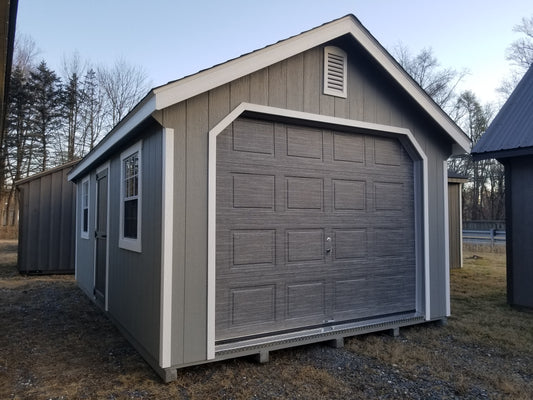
(484, 194)
(56, 117)
(53, 118)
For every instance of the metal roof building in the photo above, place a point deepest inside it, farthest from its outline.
(509, 139)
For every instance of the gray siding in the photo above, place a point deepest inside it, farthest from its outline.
(519, 195)
(46, 223)
(135, 278)
(295, 83)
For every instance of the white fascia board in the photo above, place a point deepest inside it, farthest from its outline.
(219, 75)
(415, 91)
(203, 81)
(146, 108)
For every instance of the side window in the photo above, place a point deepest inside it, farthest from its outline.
(130, 198)
(84, 217)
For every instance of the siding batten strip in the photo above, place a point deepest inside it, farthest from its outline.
(426, 241)
(446, 238)
(167, 222)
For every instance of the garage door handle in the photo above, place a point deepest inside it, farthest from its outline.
(328, 245)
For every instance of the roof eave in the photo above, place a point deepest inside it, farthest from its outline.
(503, 154)
(140, 113)
(183, 89)
(191, 86)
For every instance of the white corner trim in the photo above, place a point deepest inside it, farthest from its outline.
(302, 116)
(167, 235)
(446, 238)
(427, 270)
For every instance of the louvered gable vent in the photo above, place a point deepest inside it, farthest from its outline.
(335, 71)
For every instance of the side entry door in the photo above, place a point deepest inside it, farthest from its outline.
(100, 279)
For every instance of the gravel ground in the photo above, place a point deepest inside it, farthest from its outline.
(55, 344)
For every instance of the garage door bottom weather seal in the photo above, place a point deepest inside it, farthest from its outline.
(317, 334)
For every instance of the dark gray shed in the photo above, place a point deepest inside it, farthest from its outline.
(292, 195)
(46, 222)
(509, 139)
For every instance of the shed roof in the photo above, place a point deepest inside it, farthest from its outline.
(511, 133)
(174, 92)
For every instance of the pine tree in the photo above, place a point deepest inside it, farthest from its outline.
(46, 101)
(71, 108)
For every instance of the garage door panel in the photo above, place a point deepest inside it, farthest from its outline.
(253, 137)
(304, 143)
(253, 191)
(387, 152)
(350, 244)
(254, 247)
(348, 147)
(349, 195)
(282, 191)
(253, 305)
(306, 299)
(305, 193)
(305, 245)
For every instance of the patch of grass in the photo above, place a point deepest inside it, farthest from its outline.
(56, 344)
(485, 343)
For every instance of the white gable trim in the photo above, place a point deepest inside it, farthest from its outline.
(333, 121)
(183, 89)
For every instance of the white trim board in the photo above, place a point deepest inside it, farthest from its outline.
(188, 87)
(167, 235)
(315, 118)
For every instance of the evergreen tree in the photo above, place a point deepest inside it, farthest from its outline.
(46, 102)
(71, 103)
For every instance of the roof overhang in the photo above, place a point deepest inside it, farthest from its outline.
(188, 87)
(503, 154)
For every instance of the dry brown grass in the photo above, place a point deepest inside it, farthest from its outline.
(55, 344)
(485, 343)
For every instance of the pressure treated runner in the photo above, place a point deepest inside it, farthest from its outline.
(314, 227)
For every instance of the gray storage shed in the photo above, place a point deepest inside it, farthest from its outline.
(295, 194)
(509, 139)
(46, 222)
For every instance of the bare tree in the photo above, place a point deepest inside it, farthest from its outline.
(123, 85)
(438, 82)
(520, 52)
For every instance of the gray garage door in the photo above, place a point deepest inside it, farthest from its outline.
(314, 227)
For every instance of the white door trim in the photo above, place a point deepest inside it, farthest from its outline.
(256, 109)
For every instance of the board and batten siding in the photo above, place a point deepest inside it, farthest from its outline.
(519, 226)
(46, 222)
(133, 278)
(296, 84)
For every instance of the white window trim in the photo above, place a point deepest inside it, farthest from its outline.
(123, 242)
(85, 234)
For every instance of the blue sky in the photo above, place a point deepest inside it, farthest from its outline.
(174, 38)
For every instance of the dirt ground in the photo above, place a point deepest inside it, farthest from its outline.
(55, 344)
